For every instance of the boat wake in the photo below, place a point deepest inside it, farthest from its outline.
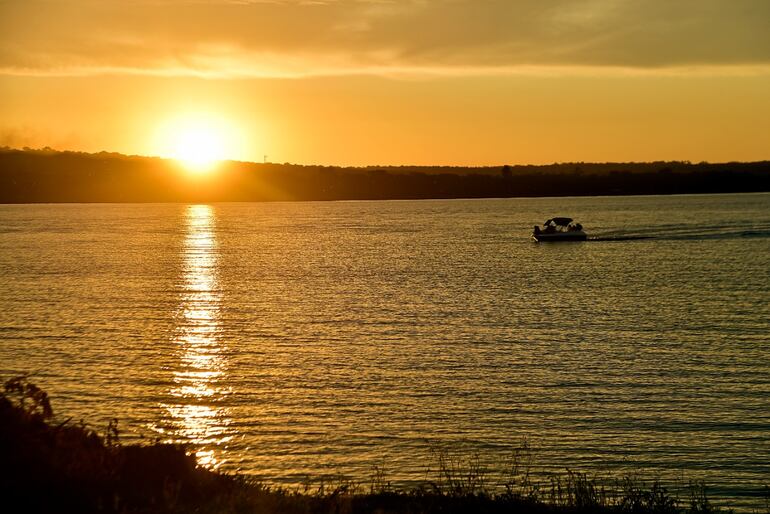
(686, 233)
(619, 238)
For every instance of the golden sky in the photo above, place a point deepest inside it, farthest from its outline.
(356, 82)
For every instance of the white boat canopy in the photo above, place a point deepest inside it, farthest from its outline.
(559, 221)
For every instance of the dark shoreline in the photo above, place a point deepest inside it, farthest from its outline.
(49, 465)
(47, 176)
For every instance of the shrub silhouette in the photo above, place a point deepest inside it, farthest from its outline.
(67, 466)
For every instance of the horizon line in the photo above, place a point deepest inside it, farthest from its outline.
(51, 150)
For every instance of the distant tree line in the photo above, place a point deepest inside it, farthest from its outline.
(29, 176)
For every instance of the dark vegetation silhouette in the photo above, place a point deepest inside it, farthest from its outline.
(53, 465)
(29, 176)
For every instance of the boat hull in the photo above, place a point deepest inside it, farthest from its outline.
(560, 236)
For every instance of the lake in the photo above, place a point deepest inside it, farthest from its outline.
(307, 341)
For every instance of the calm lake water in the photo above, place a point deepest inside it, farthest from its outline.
(321, 339)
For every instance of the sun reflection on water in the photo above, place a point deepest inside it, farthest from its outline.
(195, 413)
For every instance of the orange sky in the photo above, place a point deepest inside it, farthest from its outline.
(356, 82)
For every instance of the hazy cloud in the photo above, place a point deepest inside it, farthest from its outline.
(253, 37)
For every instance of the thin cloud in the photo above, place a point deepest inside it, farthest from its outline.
(298, 38)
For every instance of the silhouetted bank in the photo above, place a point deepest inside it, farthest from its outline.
(50, 465)
(29, 176)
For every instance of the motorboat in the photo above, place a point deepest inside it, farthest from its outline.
(559, 229)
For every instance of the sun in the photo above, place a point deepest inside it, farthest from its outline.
(198, 148)
(198, 142)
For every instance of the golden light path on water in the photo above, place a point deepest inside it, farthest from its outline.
(196, 414)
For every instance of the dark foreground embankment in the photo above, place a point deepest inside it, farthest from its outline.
(60, 466)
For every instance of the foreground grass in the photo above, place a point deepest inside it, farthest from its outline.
(64, 467)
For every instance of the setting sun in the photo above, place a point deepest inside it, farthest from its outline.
(199, 143)
(198, 148)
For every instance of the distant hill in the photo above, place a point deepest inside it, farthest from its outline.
(31, 176)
